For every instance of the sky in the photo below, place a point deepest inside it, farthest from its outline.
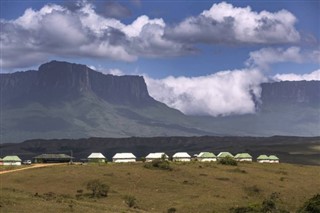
(201, 57)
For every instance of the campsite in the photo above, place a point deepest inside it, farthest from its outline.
(186, 187)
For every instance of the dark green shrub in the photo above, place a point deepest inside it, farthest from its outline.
(143, 159)
(158, 164)
(252, 190)
(228, 161)
(311, 205)
(269, 205)
(172, 210)
(243, 210)
(237, 170)
(130, 201)
(97, 188)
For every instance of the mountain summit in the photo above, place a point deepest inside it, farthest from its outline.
(66, 100)
(61, 81)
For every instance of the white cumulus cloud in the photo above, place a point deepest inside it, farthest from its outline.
(55, 30)
(313, 76)
(224, 23)
(81, 30)
(265, 57)
(222, 93)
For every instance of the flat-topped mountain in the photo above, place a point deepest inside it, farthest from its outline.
(61, 81)
(291, 92)
(66, 100)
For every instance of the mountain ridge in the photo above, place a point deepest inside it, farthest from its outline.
(67, 100)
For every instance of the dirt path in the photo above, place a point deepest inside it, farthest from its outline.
(33, 166)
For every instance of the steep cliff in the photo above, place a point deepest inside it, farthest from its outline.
(291, 92)
(61, 81)
(65, 100)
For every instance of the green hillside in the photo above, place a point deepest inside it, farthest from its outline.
(91, 116)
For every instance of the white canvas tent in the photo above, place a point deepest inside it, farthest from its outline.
(124, 158)
(181, 156)
(11, 161)
(96, 157)
(206, 157)
(156, 156)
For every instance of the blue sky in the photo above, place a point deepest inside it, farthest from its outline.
(208, 58)
(200, 57)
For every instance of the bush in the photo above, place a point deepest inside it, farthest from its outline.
(97, 188)
(253, 190)
(172, 210)
(143, 159)
(269, 205)
(130, 201)
(159, 164)
(228, 161)
(311, 205)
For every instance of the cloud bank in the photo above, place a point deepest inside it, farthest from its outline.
(84, 31)
(313, 76)
(265, 57)
(223, 93)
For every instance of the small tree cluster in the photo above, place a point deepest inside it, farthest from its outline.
(97, 188)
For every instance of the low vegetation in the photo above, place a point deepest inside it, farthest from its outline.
(189, 187)
(311, 206)
(228, 161)
(97, 188)
(130, 200)
(268, 205)
(158, 164)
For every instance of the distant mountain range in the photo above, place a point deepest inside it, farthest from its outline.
(65, 100)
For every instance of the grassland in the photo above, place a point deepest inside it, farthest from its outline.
(189, 187)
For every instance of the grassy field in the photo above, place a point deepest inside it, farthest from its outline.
(189, 187)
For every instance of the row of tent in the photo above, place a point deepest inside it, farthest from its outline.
(183, 156)
(129, 157)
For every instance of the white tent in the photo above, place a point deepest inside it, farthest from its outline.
(96, 157)
(206, 157)
(11, 161)
(156, 156)
(123, 158)
(181, 156)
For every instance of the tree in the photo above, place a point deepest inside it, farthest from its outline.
(98, 188)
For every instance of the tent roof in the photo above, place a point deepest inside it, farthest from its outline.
(11, 158)
(156, 155)
(181, 155)
(206, 155)
(96, 155)
(124, 156)
(243, 155)
(225, 154)
(273, 157)
(263, 157)
(53, 156)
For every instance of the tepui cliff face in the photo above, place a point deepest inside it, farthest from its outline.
(60, 81)
(291, 92)
(66, 100)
